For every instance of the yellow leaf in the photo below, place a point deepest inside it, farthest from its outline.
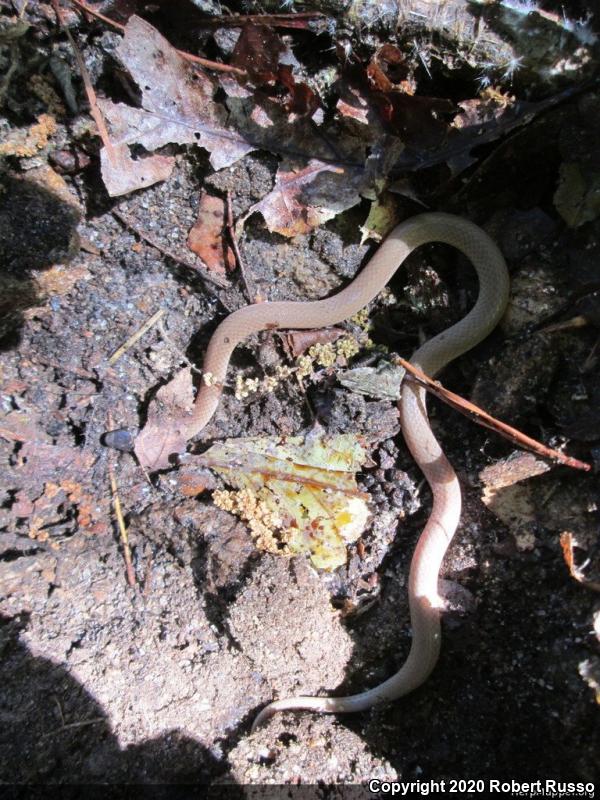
(298, 494)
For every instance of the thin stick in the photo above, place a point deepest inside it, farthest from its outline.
(177, 350)
(202, 271)
(483, 418)
(91, 94)
(137, 335)
(121, 523)
(205, 62)
(299, 20)
(236, 249)
(69, 725)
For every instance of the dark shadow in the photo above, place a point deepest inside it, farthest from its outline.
(54, 732)
(222, 564)
(38, 229)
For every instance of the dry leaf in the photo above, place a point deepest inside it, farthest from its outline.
(297, 494)
(568, 542)
(353, 105)
(165, 430)
(123, 174)
(383, 381)
(511, 497)
(299, 342)
(177, 107)
(577, 198)
(388, 70)
(257, 52)
(207, 238)
(290, 207)
(22, 426)
(49, 481)
(383, 216)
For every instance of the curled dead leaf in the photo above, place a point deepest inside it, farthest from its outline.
(207, 238)
(165, 431)
(289, 209)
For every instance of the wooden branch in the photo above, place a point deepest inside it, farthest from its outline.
(487, 421)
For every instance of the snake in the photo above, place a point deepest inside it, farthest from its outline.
(425, 604)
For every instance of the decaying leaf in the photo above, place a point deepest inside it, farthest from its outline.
(353, 106)
(297, 494)
(383, 216)
(49, 490)
(383, 381)
(293, 206)
(298, 342)
(123, 174)
(177, 106)
(164, 432)
(207, 238)
(509, 495)
(257, 52)
(577, 198)
(389, 71)
(568, 542)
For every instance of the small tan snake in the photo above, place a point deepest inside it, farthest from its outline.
(431, 357)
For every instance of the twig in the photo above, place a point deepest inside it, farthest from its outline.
(121, 523)
(483, 418)
(203, 271)
(236, 249)
(173, 346)
(81, 724)
(91, 94)
(299, 20)
(147, 584)
(137, 335)
(575, 322)
(205, 62)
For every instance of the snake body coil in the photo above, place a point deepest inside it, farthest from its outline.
(431, 357)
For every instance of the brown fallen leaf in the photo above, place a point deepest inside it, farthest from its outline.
(49, 481)
(388, 70)
(177, 107)
(293, 206)
(206, 238)
(516, 467)
(568, 542)
(301, 100)
(299, 342)
(353, 105)
(165, 431)
(122, 174)
(53, 462)
(257, 52)
(510, 495)
(19, 426)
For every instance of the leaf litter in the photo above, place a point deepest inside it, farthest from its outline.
(298, 495)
